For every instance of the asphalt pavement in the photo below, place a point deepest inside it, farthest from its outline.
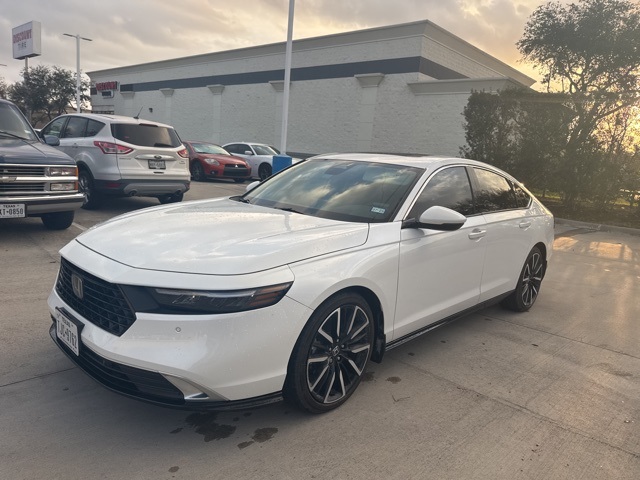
(553, 393)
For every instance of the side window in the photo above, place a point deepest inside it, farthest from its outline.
(522, 197)
(55, 127)
(93, 127)
(232, 148)
(76, 126)
(245, 148)
(494, 192)
(448, 188)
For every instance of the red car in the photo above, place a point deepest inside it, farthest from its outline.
(208, 160)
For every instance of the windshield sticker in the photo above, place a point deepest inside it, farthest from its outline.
(378, 210)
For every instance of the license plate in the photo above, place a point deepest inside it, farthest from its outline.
(157, 164)
(68, 332)
(12, 210)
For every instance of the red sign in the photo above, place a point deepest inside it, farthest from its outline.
(102, 86)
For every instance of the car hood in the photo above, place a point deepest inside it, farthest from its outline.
(13, 150)
(224, 159)
(219, 237)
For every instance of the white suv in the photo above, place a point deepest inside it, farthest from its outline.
(123, 156)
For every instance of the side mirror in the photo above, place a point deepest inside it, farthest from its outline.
(51, 140)
(437, 218)
(248, 152)
(252, 185)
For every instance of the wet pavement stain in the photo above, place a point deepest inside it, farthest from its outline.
(411, 354)
(205, 424)
(368, 377)
(394, 380)
(244, 444)
(177, 430)
(174, 469)
(262, 435)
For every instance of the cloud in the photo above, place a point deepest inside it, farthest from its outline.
(128, 32)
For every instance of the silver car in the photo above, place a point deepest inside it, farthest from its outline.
(123, 156)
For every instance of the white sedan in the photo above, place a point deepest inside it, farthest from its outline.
(290, 289)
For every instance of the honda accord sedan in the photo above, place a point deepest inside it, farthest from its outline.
(290, 289)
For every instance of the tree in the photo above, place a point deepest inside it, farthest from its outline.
(46, 92)
(588, 51)
(3, 88)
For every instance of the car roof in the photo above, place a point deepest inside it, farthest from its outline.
(427, 162)
(108, 118)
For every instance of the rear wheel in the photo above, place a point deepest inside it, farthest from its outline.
(197, 172)
(57, 220)
(331, 354)
(264, 171)
(92, 199)
(529, 282)
(171, 198)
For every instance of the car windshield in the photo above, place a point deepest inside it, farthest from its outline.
(209, 148)
(264, 150)
(146, 135)
(353, 191)
(13, 124)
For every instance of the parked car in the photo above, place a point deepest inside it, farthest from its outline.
(123, 156)
(208, 160)
(36, 180)
(291, 288)
(259, 156)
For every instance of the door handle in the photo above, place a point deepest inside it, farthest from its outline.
(476, 234)
(524, 224)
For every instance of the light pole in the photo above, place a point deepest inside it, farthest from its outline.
(287, 80)
(78, 38)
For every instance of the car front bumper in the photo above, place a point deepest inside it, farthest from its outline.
(38, 205)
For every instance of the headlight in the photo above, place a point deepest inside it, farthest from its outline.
(224, 301)
(212, 161)
(63, 187)
(61, 171)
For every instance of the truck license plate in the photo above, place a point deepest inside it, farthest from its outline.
(12, 210)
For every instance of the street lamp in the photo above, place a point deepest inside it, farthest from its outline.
(78, 38)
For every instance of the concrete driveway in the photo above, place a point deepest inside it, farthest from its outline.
(553, 393)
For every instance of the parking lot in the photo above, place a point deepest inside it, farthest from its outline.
(551, 393)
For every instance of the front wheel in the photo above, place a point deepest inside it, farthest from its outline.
(197, 171)
(529, 282)
(264, 171)
(57, 220)
(331, 354)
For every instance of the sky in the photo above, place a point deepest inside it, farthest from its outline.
(129, 32)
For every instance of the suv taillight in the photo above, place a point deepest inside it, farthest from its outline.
(112, 148)
(183, 153)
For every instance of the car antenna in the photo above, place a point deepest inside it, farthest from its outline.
(137, 117)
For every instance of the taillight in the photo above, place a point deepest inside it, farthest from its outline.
(183, 153)
(112, 148)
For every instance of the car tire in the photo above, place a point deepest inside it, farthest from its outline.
(331, 354)
(264, 171)
(92, 199)
(529, 282)
(197, 171)
(238, 180)
(57, 220)
(171, 198)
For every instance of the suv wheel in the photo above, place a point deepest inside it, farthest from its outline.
(171, 198)
(91, 197)
(57, 220)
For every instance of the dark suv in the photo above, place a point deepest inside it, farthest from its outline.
(36, 180)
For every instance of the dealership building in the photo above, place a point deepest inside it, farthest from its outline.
(399, 88)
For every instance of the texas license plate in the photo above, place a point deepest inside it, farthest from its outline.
(67, 331)
(157, 164)
(12, 210)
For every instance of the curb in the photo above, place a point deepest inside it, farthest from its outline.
(598, 227)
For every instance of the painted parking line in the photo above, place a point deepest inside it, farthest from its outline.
(79, 227)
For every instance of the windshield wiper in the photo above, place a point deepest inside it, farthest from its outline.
(13, 135)
(288, 209)
(239, 198)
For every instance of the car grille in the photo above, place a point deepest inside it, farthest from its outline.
(231, 171)
(124, 379)
(21, 171)
(102, 303)
(14, 188)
